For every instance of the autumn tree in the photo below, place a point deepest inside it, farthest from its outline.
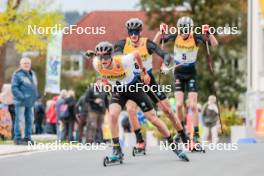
(15, 19)
(230, 82)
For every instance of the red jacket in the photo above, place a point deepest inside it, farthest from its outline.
(51, 112)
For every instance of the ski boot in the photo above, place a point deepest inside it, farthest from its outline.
(115, 158)
(179, 152)
(139, 149)
(197, 146)
(183, 140)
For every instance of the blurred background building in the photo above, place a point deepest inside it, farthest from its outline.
(255, 60)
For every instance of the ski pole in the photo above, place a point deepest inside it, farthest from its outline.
(209, 61)
(162, 47)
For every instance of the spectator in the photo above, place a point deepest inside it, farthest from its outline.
(97, 105)
(7, 98)
(210, 115)
(69, 122)
(81, 116)
(62, 114)
(5, 122)
(51, 119)
(39, 112)
(24, 89)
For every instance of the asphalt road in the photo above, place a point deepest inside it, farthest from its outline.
(248, 160)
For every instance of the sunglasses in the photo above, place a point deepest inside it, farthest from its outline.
(105, 56)
(133, 32)
(185, 30)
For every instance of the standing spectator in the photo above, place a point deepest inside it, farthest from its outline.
(24, 89)
(7, 98)
(97, 105)
(5, 122)
(39, 112)
(51, 119)
(210, 115)
(62, 114)
(81, 116)
(69, 122)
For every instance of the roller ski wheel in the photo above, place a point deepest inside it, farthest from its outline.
(112, 160)
(139, 149)
(106, 161)
(115, 158)
(196, 145)
(197, 148)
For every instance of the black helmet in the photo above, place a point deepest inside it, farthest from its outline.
(134, 24)
(104, 48)
(185, 22)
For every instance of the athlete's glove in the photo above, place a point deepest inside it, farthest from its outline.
(167, 59)
(89, 53)
(205, 32)
(164, 69)
(144, 76)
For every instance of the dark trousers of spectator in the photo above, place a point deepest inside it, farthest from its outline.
(11, 109)
(51, 128)
(81, 125)
(99, 138)
(94, 123)
(38, 128)
(68, 128)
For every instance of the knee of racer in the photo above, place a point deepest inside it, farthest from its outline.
(153, 118)
(113, 118)
(167, 111)
(179, 106)
(194, 108)
(132, 111)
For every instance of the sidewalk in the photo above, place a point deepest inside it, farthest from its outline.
(11, 149)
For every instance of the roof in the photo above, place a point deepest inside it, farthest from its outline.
(114, 23)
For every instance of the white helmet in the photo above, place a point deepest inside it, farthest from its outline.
(185, 21)
(103, 48)
(134, 24)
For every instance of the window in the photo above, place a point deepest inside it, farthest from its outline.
(73, 65)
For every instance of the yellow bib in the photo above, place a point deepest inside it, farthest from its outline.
(185, 51)
(116, 73)
(188, 44)
(142, 48)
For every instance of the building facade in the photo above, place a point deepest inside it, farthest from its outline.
(255, 60)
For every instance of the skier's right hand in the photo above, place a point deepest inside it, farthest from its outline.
(145, 77)
(89, 53)
(164, 69)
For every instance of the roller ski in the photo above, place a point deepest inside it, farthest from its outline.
(196, 145)
(116, 157)
(139, 149)
(179, 152)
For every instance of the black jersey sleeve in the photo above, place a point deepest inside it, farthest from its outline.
(119, 46)
(168, 38)
(154, 48)
(199, 39)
